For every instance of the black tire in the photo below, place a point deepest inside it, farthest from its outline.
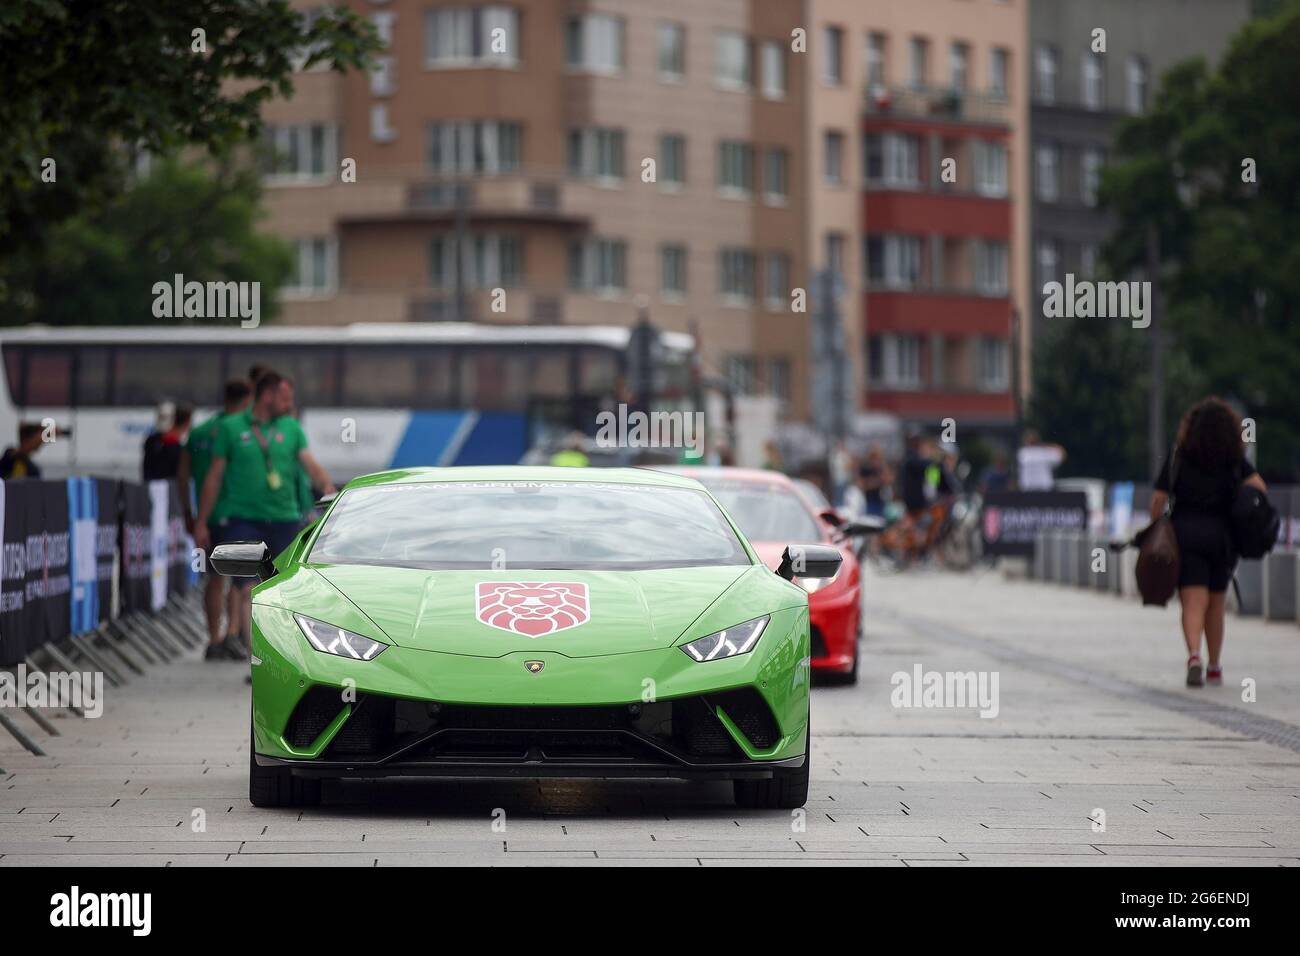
(787, 789)
(277, 787)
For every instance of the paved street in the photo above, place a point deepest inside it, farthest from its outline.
(1091, 717)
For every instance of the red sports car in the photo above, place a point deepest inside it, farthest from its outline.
(771, 512)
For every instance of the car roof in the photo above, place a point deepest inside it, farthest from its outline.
(620, 476)
(726, 473)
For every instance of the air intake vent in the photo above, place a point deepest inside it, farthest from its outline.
(749, 712)
(315, 710)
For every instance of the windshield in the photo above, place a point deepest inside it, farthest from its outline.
(546, 525)
(766, 512)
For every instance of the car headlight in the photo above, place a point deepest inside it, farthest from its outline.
(728, 642)
(329, 639)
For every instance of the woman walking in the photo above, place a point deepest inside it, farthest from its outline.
(1202, 475)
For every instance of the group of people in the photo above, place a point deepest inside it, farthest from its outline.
(244, 474)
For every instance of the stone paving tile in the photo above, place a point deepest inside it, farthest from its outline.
(891, 787)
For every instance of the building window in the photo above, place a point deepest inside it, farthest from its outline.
(893, 160)
(486, 261)
(772, 64)
(304, 151)
(833, 155)
(672, 159)
(895, 361)
(1045, 74)
(733, 69)
(672, 51)
(383, 76)
(1135, 98)
(1047, 255)
(833, 63)
(1088, 257)
(474, 146)
(315, 267)
(735, 167)
(999, 67)
(835, 245)
(736, 274)
(920, 68)
(471, 36)
(672, 261)
(739, 372)
(959, 66)
(594, 43)
(778, 379)
(598, 265)
(991, 373)
(894, 261)
(1047, 162)
(990, 168)
(875, 60)
(1090, 163)
(1094, 93)
(776, 164)
(776, 281)
(596, 153)
(990, 267)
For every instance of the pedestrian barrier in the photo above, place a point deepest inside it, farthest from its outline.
(96, 576)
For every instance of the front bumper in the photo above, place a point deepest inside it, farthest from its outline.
(412, 712)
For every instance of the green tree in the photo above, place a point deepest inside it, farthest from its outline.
(199, 220)
(84, 82)
(1215, 168)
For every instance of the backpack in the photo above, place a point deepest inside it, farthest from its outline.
(1254, 522)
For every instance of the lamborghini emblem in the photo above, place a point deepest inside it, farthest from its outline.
(534, 667)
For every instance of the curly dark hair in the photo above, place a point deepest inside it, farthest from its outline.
(1209, 435)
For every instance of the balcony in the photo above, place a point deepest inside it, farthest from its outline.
(933, 105)
(930, 308)
(524, 196)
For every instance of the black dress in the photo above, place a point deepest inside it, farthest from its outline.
(1202, 502)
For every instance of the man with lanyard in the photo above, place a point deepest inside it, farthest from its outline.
(253, 479)
(196, 460)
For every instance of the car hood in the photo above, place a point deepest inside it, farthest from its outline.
(575, 613)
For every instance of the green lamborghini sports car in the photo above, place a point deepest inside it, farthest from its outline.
(528, 622)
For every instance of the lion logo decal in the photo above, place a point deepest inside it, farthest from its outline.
(533, 608)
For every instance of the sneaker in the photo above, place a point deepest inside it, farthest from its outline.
(1214, 675)
(237, 648)
(1194, 678)
(216, 652)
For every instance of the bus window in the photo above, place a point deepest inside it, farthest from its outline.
(598, 374)
(91, 386)
(494, 379)
(386, 376)
(150, 374)
(314, 369)
(14, 373)
(49, 377)
(551, 377)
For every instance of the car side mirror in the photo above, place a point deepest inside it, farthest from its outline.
(243, 559)
(866, 524)
(809, 561)
(831, 517)
(324, 500)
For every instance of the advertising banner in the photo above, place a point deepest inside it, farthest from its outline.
(1011, 519)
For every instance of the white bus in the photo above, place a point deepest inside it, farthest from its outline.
(372, 395)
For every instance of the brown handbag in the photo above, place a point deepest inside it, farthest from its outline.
(1158, 561)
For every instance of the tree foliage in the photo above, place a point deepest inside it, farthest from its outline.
(1229, 253)
(86, 82)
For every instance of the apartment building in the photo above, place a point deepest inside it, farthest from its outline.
(916, 129)
(559, 161)
(1080, 95)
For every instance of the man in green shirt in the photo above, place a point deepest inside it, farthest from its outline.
(196, 460)
(252, 483)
